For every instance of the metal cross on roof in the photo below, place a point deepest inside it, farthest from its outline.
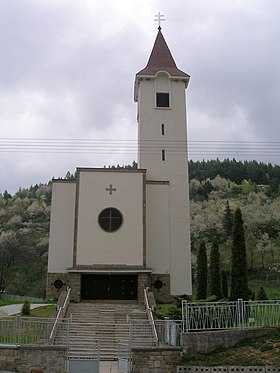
(159, 18)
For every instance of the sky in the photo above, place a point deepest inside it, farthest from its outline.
(67, 70)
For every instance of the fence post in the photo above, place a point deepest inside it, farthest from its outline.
(185, 316)
(17, 330)
(129, 365)
(166, 331)
(240, 313)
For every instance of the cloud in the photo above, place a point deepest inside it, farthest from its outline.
(67, 71)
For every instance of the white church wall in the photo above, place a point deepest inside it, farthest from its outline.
(173, 141)
(94, 245)
(180, 258)
(158, 228)
(60, 255)
(173, 168)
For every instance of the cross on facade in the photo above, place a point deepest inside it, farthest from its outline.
(111, 189)
(159, 18)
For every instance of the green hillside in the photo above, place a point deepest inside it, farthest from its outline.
(217, 189)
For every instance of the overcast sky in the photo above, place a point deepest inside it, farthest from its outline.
(67, 69)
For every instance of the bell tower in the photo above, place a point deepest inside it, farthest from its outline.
(162, 150)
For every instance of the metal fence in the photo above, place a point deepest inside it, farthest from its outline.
(17, 330)
(83, 355)
(20, 298)
(168, 332)
(142, 334)
(230, 315)
(124, 356)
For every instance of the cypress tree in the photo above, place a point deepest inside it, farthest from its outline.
(239, 281)
(201, 292)
(228, 220)
(214, 272)
(224, 285)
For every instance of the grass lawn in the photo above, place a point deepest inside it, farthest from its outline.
(44, 311)
(263, 350)
(272, 289)
(7, 302)
(28, 330)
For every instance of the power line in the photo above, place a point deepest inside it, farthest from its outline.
(117, 146)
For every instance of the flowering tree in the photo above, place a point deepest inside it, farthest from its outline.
(8, 246)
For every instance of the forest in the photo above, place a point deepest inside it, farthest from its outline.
(217, 189)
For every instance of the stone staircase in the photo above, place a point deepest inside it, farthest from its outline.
(108, 323)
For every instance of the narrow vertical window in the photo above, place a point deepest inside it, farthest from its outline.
(162, 130)
(163, 155)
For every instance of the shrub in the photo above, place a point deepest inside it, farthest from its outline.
(261, 294)
(25, 311)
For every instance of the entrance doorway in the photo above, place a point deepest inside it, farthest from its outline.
(109, 287)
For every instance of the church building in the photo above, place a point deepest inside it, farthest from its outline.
(114, 232)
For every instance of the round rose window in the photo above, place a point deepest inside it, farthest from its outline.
(110, 219)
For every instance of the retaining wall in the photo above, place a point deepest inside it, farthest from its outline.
(195, 343)
(228, 369)
(155, 359)
(33, 358)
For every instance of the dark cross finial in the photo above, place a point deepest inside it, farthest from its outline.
(111, 189)
(159, 18)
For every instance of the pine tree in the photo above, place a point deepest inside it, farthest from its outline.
(239, 282)
(214, 272)
(201, 292)
(224, 285)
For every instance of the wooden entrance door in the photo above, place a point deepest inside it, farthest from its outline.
(114, 287)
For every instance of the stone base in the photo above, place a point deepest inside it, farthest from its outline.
(32, 358)
(160, 286)
(73, 280)
(53, 292)
(155, 359)
(75, 285)
(143, 282)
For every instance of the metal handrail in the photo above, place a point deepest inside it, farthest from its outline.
(63, 307)
(150, 315)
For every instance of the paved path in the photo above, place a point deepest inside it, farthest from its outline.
(108, 367)
(14, 309)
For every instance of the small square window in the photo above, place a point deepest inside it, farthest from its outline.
(162, 99)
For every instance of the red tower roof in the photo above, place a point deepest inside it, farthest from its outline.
(161, 59)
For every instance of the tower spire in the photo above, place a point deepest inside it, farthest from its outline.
(161, 58)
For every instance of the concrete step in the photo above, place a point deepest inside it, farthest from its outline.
(108, 323)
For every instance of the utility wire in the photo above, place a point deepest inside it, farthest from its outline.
(104, 146)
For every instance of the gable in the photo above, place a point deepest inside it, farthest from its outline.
(105, 197)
